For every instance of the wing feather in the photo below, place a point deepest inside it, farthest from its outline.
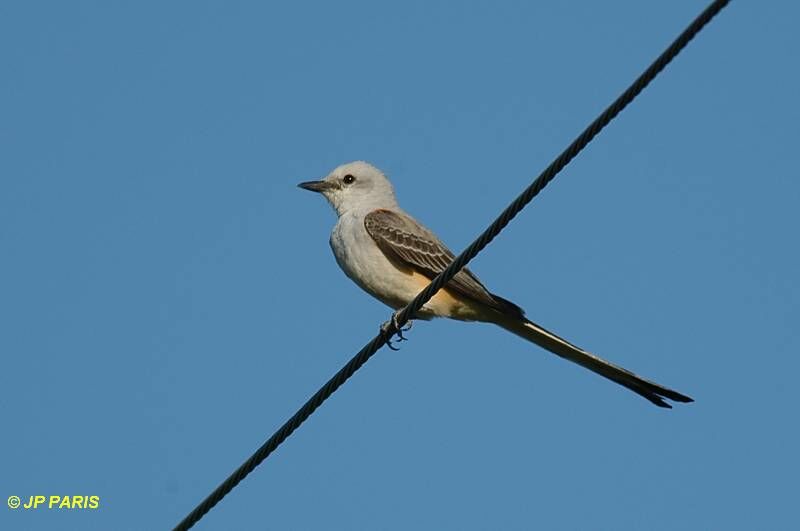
(404, 240)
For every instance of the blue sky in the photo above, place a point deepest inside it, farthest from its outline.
(168, 297)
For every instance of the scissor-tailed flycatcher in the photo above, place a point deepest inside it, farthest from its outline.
(393, 257)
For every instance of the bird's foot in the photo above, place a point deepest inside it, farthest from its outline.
(392, 323)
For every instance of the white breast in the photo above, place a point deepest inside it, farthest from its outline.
(360, 258)
(362, 261)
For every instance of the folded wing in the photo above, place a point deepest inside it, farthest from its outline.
(406, 242)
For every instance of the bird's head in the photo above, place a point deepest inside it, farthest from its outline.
(354, 185)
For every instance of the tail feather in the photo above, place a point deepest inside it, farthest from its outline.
(532, 332)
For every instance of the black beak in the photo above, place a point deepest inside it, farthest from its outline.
(316, 186)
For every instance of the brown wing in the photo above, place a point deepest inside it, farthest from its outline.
(404, 240)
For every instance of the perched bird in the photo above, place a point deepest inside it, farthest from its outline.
(393, 257)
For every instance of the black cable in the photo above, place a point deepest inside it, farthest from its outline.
(460, 261)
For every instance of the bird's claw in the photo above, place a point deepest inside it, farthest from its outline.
(401, 329)
(398, 330)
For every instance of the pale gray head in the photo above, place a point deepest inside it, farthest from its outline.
(355, 185)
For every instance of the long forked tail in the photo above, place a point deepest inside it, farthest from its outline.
(532, 332)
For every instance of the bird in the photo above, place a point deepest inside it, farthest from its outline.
(393, 257)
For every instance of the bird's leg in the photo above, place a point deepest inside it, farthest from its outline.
(398, 330)
(385, 331)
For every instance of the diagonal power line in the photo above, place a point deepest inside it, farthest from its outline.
(460, 261)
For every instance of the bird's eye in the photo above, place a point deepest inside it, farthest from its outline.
(348, 179)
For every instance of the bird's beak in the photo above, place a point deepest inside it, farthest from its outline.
(316, 186)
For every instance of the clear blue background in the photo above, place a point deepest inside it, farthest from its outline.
(168, 297)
